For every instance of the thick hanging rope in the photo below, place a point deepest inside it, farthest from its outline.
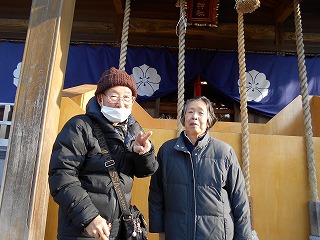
(181, 62)
(243, 103)
(242, 7)
(305, 103)
(124, 36)
(314, 204)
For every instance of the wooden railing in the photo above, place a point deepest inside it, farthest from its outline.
(6, 110)
(5, 122)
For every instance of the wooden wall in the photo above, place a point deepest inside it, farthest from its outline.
(278, 165)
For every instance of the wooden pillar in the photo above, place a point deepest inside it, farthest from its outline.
(24, 193)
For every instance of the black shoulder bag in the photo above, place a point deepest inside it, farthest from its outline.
(135, 225)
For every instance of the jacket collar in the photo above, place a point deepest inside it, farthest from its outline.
(181, 146)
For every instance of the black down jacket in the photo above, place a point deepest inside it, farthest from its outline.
(79, 182)
(199, 195)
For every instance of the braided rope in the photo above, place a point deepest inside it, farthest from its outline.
(247, 6)
(305, 103)
(243, 103)
(244, 6)
(124, 36)
(181, 63)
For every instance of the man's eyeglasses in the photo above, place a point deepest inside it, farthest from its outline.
(127, 99)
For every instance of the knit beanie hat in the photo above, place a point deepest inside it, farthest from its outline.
(115, 77)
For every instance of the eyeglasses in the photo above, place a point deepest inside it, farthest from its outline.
(127, 99)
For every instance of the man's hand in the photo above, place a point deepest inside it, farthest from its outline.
(142, 144)
(98, 228)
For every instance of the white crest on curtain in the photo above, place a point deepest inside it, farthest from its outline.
(257, 85)
(147, 79)
(16, 74)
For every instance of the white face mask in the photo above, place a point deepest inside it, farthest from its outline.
(115, 115)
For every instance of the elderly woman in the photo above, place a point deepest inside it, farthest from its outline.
(78, 179)
(198, 192)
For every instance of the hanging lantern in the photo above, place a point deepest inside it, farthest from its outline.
(203, 12)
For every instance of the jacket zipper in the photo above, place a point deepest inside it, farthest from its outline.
(194, 195)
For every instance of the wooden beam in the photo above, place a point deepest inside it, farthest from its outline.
(118, 6)
(119, 19)
(144, 31)
(13, 24)
(283, 11)
(24, 194)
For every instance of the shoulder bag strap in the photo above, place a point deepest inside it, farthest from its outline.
(110, 165)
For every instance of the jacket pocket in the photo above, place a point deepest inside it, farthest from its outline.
(210, 227)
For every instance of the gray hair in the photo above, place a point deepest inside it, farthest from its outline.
(212, 119)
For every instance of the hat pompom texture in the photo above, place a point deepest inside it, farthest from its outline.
(116, 77)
